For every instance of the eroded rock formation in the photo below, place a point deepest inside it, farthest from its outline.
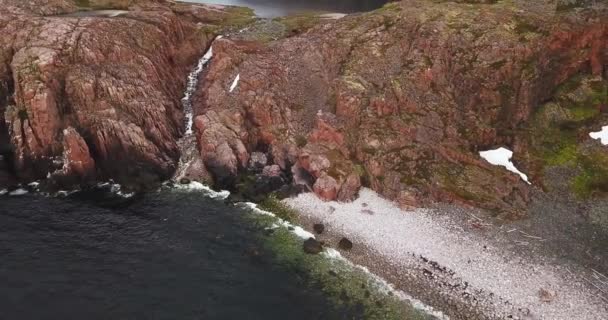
(93, 97)
(400, 99)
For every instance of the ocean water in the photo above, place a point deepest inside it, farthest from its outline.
(165, 255)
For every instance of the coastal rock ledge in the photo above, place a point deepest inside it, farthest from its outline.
(402, 99)
(86, 97)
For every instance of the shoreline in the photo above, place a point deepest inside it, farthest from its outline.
(464, 274)
(439, 282)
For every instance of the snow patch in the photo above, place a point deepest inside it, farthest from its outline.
(502, 157)
(3, 192)
(235, 82)
(601, 135)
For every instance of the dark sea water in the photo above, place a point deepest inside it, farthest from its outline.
(274, 8)
(167, 255)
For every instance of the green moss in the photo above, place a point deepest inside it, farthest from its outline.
(523, 27)
(23, 114)
(347, 287)
(498, 64)
(558, 126)
(428, 62)
(369, 150)
(296, 24)
(391, 7)
(301, 141)
(274, 205)
(565, 154)
(104, 4)
(82, 3)
(593, 178)
(340, 165)
(565, 5)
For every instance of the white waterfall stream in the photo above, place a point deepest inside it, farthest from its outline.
(187, 144)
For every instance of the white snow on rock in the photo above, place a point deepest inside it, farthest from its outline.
(235, 82)
(601, 135)
(502, 157)
(3, 192)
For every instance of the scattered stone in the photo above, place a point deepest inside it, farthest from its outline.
(318, 228)
(184, 181)
(367, 211)
(345, 244)
(546, 295)
(312, 246)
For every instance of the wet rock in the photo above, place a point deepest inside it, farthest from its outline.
(345, 244)
(312, 246)
(318, 228)
(257, 161)
(290, 190)
(184, 181)
(326, 187)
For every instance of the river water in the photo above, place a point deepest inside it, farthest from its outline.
(274, 8)
(166, 255)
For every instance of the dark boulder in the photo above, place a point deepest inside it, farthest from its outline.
(312, 246)
(318, 228)
(345, 244)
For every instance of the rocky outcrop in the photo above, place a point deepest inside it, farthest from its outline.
(400, 99)
(95, 97)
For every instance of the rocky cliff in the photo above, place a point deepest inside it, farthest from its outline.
(401, 99)
(86, 98)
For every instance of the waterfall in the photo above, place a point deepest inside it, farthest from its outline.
(191, 87)
(187, 144)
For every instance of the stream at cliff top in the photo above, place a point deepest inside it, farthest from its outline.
(275, 8)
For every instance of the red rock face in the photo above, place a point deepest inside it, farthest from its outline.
(96, 96)
(402, 98)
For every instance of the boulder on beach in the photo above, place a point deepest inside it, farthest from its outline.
(312, 246)
(345, 244)
(318, 228)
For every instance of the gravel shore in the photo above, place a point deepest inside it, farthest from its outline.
(457, 262)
